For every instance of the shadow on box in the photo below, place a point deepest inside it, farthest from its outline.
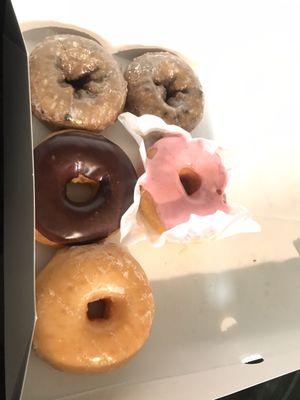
(286, 387)
(174, 348)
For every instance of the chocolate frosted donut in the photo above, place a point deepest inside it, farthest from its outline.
(161, 84)
(75, 83)
(80, 157)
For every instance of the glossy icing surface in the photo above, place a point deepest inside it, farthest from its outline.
(185, 177)
(75, 83)
(71, 155)
(65, 335)
(162, 84)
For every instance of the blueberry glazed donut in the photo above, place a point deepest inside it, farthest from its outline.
(162, 84)
(94, 309)
(80, 157)
(75, 83)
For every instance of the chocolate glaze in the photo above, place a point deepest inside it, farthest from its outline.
(65, 156)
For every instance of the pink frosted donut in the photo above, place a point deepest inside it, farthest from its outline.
(183, 177)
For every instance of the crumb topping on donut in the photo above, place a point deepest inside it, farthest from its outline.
(162, 84)
(75, 83)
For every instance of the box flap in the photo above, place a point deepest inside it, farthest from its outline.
(18, 207)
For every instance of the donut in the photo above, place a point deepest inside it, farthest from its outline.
(80, 157)
(183, 177)
(94, 309)
(162, 84)
(75, 83)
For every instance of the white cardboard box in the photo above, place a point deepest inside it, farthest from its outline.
(219, 303)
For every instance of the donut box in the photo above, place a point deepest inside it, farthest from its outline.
(226, 311)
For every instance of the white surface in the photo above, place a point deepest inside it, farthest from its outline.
(197, 229)
(247, 56)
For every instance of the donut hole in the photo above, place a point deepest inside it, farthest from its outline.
(99, 309)
(162, 91)
(79, 83)
(82, 189)
(165, 91)
(175, 98)
(190, 180)
(169, 92)
(87, 83)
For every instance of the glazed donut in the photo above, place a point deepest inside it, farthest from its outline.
(162, 84)
(75, 83)
(94, 309)
(183, 177)
(80, 157)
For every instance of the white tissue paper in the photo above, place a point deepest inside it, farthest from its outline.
(146, 130)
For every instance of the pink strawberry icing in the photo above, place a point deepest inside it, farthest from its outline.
(173, 205)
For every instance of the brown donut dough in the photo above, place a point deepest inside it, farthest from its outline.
(162, 84)
(75, 83)
(147, 205)
(148, 211)
(43, 240)
(94, 309)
